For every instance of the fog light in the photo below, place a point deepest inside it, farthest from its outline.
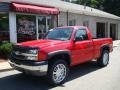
(31, 58)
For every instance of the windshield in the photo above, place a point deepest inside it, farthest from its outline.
(59, 34)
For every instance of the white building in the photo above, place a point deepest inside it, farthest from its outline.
(23, 20)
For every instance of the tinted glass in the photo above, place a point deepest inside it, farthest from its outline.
(59, 34)
(81, 34)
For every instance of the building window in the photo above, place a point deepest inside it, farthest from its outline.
(26, 27)
(72, 22)
(4, 27)
(86, 23)
(51, 22)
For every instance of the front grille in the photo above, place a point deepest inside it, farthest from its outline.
(23, 49)
(19, 57)
(20, 49)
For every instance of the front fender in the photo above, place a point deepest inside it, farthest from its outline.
(54, 53)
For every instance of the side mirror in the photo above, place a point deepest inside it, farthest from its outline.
(78, 38)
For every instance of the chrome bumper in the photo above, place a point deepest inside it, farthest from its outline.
(39, 70)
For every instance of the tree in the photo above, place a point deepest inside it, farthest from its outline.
(91, 3)
(110, 6)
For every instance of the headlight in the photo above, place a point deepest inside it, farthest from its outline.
(33, 52)
(32, 55)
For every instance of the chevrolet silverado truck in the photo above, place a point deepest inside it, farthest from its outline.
(60, 49)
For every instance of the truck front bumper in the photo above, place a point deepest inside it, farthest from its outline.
(35, 68)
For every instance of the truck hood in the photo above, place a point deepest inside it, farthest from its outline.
(41, 43)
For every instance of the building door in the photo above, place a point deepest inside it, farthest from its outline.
(113, 30)
(101, 29)
(42, 27)
(44, 24)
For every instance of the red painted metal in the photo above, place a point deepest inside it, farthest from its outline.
(81, 51)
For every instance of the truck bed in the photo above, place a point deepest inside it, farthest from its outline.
(99, 42)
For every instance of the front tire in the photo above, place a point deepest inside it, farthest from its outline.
(57, 72)
(104, 59)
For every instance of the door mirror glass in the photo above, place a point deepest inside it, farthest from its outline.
(80, 38)
(81, 35)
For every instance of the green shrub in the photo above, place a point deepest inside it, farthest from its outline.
(5, 49)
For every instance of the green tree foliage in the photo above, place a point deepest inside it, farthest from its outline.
(111, 6)
(91, 3)
(5, 49)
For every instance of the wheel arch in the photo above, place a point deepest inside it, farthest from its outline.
(100, 60)
(104, 47)
(60, 54)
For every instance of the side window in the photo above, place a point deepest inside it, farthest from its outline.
(86, 23)
(81, 35)
(72, 22)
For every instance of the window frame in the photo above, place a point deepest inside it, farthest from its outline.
(85, 32)
(18, 16)
(4, 30)
(86, 23)
(72, 22)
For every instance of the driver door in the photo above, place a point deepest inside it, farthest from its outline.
(82, 48)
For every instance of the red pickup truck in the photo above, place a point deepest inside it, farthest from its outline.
(60, 49)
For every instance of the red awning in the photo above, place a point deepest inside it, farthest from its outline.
(26, 8)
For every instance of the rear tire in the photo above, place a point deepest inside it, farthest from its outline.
(57, 72)
(104, 59)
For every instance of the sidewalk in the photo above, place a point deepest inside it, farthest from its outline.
(116, 43)
(4, 65)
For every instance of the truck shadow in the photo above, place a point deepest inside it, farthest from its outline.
(21, 82)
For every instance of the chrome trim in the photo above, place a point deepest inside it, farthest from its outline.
(41, 68)
(59, 51)
(25, 54)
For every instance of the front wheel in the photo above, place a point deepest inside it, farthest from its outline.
(57, 72)
(104, 59)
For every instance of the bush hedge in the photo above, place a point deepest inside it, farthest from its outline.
(5, 49)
